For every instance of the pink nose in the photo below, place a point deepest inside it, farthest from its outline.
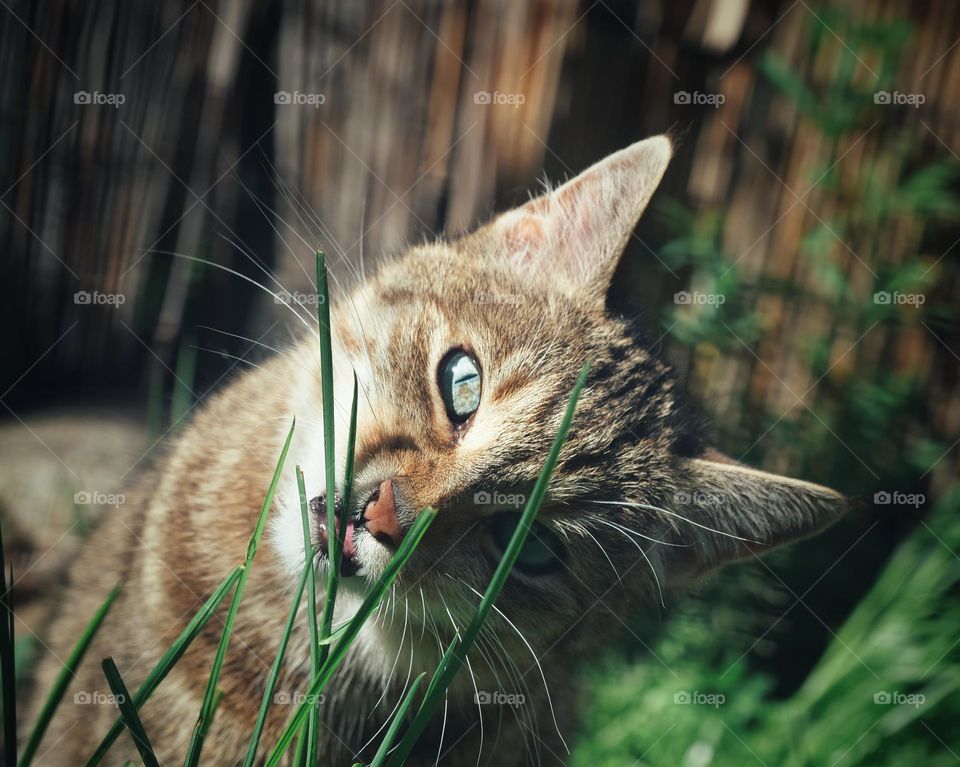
(380, 515)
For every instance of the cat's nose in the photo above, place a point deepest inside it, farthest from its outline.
(380, 515)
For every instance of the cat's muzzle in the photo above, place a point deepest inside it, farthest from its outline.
(378, 517)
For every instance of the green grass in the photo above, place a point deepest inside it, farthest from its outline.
(209, 697)
(168, 660)
(900, 639)
(275, 671)
(128, 712)
(8, 662)
(380, 758)
(310, 741)
(64, 677)
(371, 602)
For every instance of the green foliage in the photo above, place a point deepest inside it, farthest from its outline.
(128, 713)
(64, 678)
(797, 680)
(885, 690)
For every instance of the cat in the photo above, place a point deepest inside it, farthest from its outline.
(466, 351)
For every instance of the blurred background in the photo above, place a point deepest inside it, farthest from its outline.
(799, 265)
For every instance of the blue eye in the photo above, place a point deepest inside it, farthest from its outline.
(542, 552)
(460, 385)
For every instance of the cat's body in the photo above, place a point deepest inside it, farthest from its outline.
(637, 505)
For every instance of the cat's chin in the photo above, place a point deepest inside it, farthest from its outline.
(370, 557)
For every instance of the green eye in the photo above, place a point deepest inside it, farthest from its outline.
(460, 385)
(542, 552)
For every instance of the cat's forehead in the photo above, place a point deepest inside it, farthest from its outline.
(455, 271)
(439, 290)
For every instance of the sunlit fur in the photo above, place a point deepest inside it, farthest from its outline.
(640, 501)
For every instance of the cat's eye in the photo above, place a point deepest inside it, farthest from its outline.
(542, 552)
(460, 385)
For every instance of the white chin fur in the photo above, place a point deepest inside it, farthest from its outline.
(285, 525)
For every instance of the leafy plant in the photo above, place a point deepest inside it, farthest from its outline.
(796, 689)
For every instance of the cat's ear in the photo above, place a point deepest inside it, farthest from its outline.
(729, 511)
(578, 231)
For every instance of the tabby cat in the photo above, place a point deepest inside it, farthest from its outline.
(466, 351)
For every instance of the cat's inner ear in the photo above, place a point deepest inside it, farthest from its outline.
(578, 231)
(731, 511)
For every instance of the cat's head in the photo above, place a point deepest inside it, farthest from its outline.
(466, 352)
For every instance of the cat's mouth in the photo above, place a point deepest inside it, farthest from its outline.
(377, 517)
(348, 555)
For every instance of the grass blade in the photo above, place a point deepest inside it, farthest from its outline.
(336, 528)
(318, 655)
(8, 662)
(444, 661)
(334, 531)
(274, 676)
(335, 636)
(330, 636)
(381, 756)
(310, 571)
(300, 752)
(128, 712)
(64, 677)
(348, 466)
(209, 698)
(169, 659)
(445, 673)
(326, 629)
(370, 603)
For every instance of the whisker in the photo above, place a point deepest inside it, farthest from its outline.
(644, 555)
(260, 265)
(631, 531)
(389, 676)
(423, 606)
(633, 505)
(242, 277)
(260, 206)
(293, 200)
(403, 692)
(543, 676)
(604, 552)
(488, 637)
(238, 359)
(446, 694)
